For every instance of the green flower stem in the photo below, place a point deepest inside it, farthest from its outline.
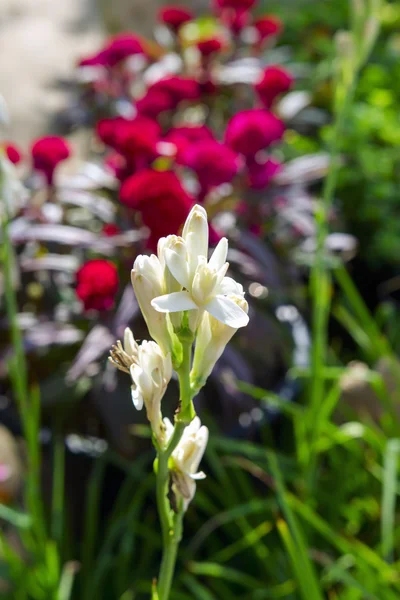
(171, 522)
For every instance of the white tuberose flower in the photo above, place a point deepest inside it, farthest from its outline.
(205, 285)
(187, 456)
(150, 371)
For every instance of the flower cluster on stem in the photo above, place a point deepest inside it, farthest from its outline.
(186, 299)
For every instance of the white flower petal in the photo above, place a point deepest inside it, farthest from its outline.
(198, 213)
(225, 310)
(130, 345)
(178, 266)
(221, 274)
(137, 398)
(219, 255)
(229, 286)
(169, 428)
(197, 476)
(175, 302)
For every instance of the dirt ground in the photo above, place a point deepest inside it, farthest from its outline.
(40, 40)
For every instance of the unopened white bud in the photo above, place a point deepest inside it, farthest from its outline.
(150, 371)
(186, 458)
(212, 337)
(148, 283)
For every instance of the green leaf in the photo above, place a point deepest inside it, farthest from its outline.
(389, 497)
(294, 541)
(15, 517)
(211, 569)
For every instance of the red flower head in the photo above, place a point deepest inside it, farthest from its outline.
(107, 130)
(47, 152)
(117, 49)
(174, 16)
(136, 139)
(121, 47)
(186, 135)
(235, 14)
(260, 175)
(275, 81)
(213, 162)
(253, 130)
(12, 152)
(161, 200)
(110, 229)
(234, 4)
(94, 60)
(97, 284)
(209, 46)
(178, 89)
(153, 103)
(266, 27)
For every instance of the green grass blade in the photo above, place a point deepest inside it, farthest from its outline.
(211, 569)
(303, 567)
(389, 497)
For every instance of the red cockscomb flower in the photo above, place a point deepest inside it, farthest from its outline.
(253, 130)
(267, 27)
(138, 138)
(47, 153)
(110, 229)
(185, 135)
(161, 199)
(235, 4)
(235, 14)
(121, 47)
(166, 94)
(118, 48)
(107, 130)
(174, 16)
(135, 139)
(214, 163)
(261, 174)
(97, 284)
(12, 152)
(178, 88)
(274, 82)
(153, 103)
(209, 46)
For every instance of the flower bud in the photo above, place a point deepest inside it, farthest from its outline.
(195, 234)
(212, 337)
(148, 283)
(150, 371)
(175, 246)
(186, 459)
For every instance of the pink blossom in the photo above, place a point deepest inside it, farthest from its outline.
(253, 130)
(97, 284)
(160, 198)
(174, 16)
(185, 135)
(274, 82)
(117, 49)
(47, 153)
(267, 27)
(261, 174)
(213, 162)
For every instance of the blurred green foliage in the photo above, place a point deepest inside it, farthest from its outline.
(368, 192)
